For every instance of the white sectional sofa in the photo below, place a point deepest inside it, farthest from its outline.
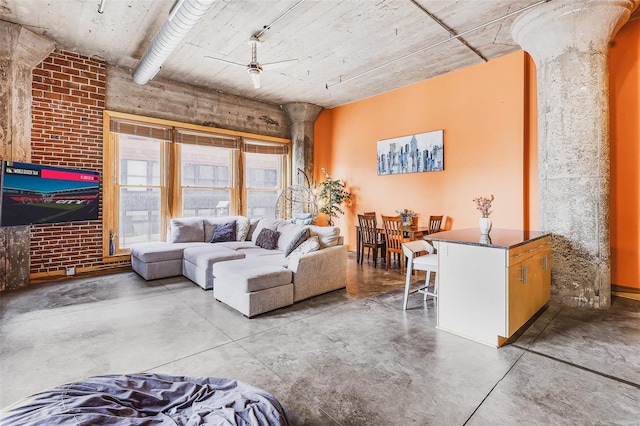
(254, 266)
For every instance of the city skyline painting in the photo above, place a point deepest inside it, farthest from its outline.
(422, 152)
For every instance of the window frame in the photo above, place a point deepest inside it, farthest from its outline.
(117, 186)
(233, 186)
(284, 164)
(171, 182)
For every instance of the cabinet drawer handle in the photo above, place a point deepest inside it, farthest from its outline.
(529, 251)
(515, 256)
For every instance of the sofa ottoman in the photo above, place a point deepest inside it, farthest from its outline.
(197, 262)
(252, 288)
(159, 260)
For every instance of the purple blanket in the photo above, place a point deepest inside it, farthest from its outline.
(148, 399)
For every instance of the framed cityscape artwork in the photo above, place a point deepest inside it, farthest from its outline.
(423, 152)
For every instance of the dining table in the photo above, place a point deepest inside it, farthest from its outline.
(412, 233)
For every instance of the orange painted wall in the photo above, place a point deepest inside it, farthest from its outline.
(322, 137)
(489, 115)
(625, 155)
(481, 109)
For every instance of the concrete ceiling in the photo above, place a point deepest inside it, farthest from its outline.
(334, 41)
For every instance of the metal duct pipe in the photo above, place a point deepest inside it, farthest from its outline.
(183, 17)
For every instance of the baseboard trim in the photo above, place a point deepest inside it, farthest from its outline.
(61, 274)
(626, 292)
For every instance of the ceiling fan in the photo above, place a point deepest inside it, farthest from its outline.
(254, 68)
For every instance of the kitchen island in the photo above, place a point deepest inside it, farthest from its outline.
(490, 286)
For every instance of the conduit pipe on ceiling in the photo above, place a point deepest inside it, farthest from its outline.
(448, 29)
(184, 16)
(431, 46)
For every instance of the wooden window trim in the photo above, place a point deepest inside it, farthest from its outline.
(171, 161)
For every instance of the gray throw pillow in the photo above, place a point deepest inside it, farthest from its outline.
(224, 232)
(187, 230)
(297, 239)
(253, 224)
(265, 222)
(267, 239)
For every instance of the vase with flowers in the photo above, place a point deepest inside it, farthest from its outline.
(112, 242)
(408, 216)
(484, 205)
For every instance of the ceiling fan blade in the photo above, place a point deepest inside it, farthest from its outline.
(228, 62)
(280, 64)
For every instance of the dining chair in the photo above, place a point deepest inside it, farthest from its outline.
(435, 223)
(370, 238)
(427, 262)
(394, 237)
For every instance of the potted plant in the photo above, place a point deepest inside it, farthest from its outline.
(408, 216)
(332, 194)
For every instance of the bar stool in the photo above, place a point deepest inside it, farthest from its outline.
(427, 262)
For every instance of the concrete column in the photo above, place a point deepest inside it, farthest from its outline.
(20, 51)
(568, 40)
(302, 116)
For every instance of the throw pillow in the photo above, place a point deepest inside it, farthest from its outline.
(211, 222)
(267, 239)
(242, 228)
(301, 218)
(265, 222)
(253, 224)
(187, 230)
(311, 244)
(300, 237)
(327, 235)
(288, 231)
(224, 232)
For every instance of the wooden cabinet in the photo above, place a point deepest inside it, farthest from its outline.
(529, 280)
(486, 292)
(519, 297)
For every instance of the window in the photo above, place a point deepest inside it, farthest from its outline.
(156, 169)
(140, 195)
(264, 169)
(207, 185)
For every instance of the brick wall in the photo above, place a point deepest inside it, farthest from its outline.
(68, 100)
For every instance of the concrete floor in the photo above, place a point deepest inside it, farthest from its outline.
(349, 357)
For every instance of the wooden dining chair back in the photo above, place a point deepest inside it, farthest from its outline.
(435, 223)
(371, 238)
(394, 237)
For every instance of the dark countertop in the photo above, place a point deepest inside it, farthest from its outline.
(498, 238)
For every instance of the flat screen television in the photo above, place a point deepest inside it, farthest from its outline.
(35, 194)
